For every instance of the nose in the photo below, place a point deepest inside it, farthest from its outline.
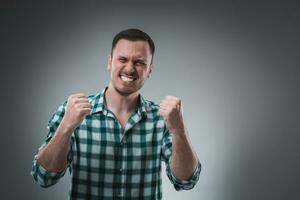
(129, 67)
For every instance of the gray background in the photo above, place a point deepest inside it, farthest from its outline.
(235, 65)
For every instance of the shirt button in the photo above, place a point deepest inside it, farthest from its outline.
(121, 170)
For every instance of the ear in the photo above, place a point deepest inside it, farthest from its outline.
(109, 61)
(150, 70)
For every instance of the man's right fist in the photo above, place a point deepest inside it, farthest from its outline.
(78, 106)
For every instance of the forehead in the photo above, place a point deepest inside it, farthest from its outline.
(126, 48)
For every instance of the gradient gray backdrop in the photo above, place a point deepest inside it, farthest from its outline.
(235, 65)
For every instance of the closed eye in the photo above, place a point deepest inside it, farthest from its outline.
(140, 62)
(122, 59)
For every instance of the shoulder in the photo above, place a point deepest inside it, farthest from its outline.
(152, 110)
(93, 96)
(151, 106)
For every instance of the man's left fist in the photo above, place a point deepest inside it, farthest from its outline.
(170, 109)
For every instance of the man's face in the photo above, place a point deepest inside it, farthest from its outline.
(129, 65)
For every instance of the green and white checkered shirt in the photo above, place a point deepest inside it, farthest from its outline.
(108, 162)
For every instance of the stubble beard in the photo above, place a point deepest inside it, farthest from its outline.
(126, 93)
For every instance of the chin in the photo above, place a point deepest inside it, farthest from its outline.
(126, 88)
(124, 91)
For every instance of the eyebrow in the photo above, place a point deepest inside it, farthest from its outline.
(121, 56)
(138, 58)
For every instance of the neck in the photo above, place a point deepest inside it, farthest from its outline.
(120, 104)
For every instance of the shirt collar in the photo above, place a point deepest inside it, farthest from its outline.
(98, 104)
(142, 109)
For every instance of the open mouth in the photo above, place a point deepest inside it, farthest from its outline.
(127, 78)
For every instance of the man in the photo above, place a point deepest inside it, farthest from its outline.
(113, 142)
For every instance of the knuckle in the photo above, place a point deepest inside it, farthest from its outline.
(72, 100)
(72, 95)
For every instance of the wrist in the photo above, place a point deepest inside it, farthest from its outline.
(179, 132)
(66, 128)
(179, 129)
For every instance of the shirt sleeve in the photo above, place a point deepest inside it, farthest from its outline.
(43, 177)
(167, 156)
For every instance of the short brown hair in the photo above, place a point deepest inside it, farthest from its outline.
(133, 35)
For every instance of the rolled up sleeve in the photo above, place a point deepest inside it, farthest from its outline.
(43, 177)
(184, 184)
(167, 156)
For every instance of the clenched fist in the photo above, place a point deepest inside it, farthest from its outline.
(170, 109)
(78, 106)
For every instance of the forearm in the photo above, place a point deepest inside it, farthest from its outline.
(184, 160)
(53, 157)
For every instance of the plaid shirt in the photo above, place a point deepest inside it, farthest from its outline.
(107, 161)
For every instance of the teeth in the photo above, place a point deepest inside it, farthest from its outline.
(127, 79)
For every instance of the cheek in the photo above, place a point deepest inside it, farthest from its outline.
(113, 69)
(145, 73)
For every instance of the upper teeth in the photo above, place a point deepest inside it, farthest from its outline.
(126, 78)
